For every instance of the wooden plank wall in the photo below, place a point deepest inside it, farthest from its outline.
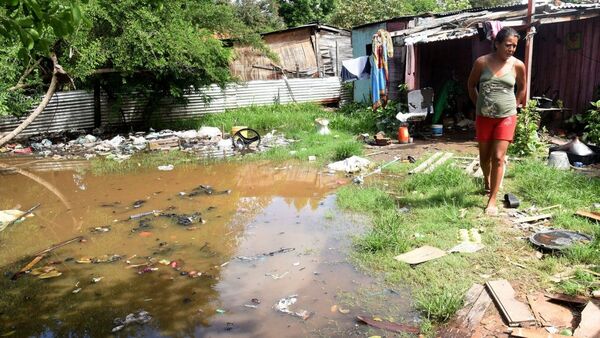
(571, 74)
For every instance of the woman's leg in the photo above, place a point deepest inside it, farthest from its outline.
(485, 161)
(498, 152)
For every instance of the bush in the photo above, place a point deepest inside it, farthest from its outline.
(527, 141)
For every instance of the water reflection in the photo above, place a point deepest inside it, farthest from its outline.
(266, 209)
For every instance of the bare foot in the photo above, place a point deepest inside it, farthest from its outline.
(491, 210)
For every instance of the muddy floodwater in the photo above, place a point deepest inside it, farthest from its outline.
(199, 251)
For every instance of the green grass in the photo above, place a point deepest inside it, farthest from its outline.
(295, 120)
(441, 203)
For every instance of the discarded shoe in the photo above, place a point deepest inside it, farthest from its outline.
(511, 201)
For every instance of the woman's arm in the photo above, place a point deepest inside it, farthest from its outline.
(474, 79)
(521, 83)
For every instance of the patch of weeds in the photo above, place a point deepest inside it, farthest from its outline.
(584, 254)
(581, 283)
(541, 185)
(329, 215)
(347, 149)
(388, 233)
(439, 304)
(364, 199)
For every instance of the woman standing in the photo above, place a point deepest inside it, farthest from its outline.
(492, 89)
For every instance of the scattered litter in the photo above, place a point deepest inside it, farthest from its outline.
(312, 158)
(275, 276)
(251, 306)
(140, 317)
(101, 229)
(144, 214)
(283, 305)
(220, 311)
(389, 326)
(350, 165)
(10, 217)
(344, 311)
(167, 167)
(97, 279)
(420, 255)
(558, 239)
(76, 290)
(470, 241)
(322, 126)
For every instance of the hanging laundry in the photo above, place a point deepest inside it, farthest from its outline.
(383, 49)
(491, 28)
(356, 69)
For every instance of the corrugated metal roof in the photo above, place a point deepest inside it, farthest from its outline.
(311, 25)
(464, 24)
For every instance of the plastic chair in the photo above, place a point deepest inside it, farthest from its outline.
(420, 104)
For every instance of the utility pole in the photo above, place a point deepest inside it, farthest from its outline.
(529, 49)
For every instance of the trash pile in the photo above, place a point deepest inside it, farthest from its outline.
(205, 142)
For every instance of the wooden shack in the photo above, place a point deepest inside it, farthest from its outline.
(312, 50)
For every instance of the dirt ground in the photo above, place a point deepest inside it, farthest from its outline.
(459, 143)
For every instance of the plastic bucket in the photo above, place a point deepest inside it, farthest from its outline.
(235, 129)
(437, 130)
(558, 160)
(403, 136)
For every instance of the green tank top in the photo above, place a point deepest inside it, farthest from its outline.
(496, 96)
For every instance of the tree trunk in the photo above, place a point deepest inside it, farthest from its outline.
(40, 108)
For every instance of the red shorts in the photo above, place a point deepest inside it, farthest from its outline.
(489, 128)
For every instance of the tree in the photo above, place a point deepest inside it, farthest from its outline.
(261, 16)
(31, 28)
(301, 12)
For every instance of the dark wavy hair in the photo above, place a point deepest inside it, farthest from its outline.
(504, 33)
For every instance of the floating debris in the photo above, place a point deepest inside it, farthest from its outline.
(283, 305)
(140, 317)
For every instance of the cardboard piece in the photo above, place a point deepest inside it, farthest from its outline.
(420, 255)
(589, 327)
(515, 312)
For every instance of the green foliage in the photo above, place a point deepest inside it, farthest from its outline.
(439, 304)
(261, 16)
(592, 123)
(37, 24)
(301, 12)
(347, 149)
(527, 140)
(350, 13)
(364, 120)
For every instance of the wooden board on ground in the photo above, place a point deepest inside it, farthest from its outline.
(589, 327)
(515, 312)
(394, 327)
(589, 214)
(566, 298)
(439, 162)
(532, 218)
(478, 310)
(535, 333)
(420, 255)
(425, 164)
(164, 143)
(548, 313)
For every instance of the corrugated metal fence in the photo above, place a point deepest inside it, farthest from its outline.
(75, 109)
